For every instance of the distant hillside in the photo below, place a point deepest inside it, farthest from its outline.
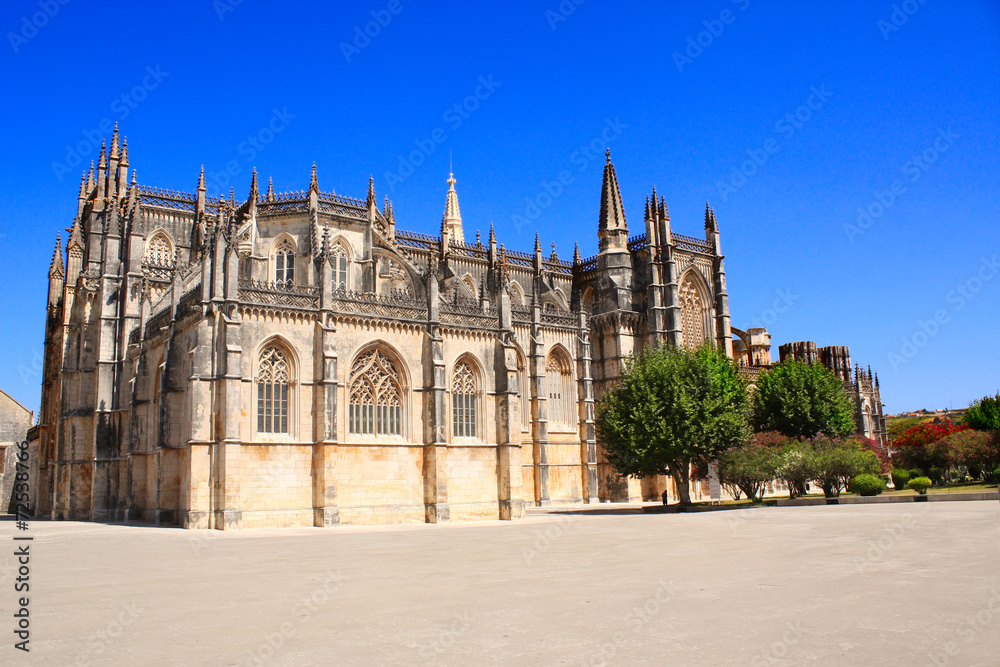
(904, 420)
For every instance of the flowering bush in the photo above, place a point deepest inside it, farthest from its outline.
(912, 445)
(976, 450)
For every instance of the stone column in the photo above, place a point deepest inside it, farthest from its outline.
(326, 511)
(436, 508)
(588, 435)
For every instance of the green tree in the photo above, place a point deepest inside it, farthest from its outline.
(984, 414)
(801, 401)
(837, 462)
(671, 407)
(749, 467)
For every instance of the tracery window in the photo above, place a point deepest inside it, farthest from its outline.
(463, 401)
(376, 399)
(159, 251)
(339, 268)
(284, 262)
(560, 386)
(693, 312)
(272, 391)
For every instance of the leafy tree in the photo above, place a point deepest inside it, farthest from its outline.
(796, 466)
(801, 401)
(672, 407)
(979, 451)
(837, 462)
(913, 450)
(749, 467)
(984, 414)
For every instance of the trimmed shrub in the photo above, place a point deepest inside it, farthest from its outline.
(920, 484)
(996, 476)
(900, 477)
(867, 485)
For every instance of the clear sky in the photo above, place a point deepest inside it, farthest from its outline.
(788, 118)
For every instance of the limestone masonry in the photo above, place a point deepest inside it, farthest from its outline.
(294, 359)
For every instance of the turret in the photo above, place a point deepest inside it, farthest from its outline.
(612, 231)
(123, 168)
(57, 275)
(451, 221)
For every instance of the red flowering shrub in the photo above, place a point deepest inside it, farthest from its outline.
(979, 451)
(912, 449)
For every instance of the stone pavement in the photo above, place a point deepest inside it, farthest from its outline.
(849, 585)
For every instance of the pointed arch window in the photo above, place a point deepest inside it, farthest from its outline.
(376, 399)
(339, 259)
(272, 391)
(159, 251)
(463, 401)
(284, 262)
(694, 312)
(561, 395)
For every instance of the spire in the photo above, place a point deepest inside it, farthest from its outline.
(232, 198)
(114, 142)
(711, 225)
(538, 244)
(270, 189)
(576, 253)
(56, 267)
(371, 191)
(124, 160)
(201, 179)
(254, 195)
(493, 234)
(451, 221)
(612, 211)
(83, 185)
(313, 183)
(101, 159)
(90, 178)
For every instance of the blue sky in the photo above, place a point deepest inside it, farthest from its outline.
(789, 120)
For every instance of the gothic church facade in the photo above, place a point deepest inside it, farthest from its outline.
(295, 359)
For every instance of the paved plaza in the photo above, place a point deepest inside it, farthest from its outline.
(914, 584)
